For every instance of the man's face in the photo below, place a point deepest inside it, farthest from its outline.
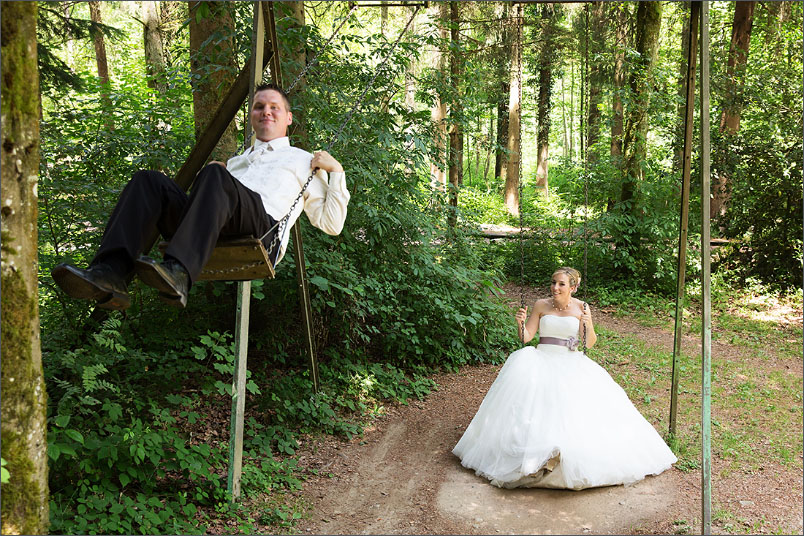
(270, 116)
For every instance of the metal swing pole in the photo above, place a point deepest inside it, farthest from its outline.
(706, 313)
(695, 11)
(244, 292)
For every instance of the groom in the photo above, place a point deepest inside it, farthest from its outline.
(246, 196)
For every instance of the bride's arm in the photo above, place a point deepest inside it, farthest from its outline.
(531, 325)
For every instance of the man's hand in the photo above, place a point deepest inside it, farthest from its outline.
(219, 163)
(324, 160)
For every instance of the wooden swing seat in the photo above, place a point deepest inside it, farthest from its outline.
(236, 259)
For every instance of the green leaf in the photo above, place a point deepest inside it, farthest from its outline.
(124, 480)
(75, 435)
(61, 420)
(320, 282)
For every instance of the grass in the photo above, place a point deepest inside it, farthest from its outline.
(756, 385)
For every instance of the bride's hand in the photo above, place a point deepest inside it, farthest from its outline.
(586, 315)
(522, 315)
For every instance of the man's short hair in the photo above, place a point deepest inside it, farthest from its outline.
(274, 87)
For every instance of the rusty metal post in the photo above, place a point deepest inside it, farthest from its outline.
(695, 10)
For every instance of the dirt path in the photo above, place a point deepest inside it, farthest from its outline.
(401, 478)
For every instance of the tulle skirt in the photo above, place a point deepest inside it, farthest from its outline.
(554, 418)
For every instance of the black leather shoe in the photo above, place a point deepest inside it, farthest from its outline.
(98, 282)
(169, 278)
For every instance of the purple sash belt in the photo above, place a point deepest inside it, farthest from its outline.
(571, 343)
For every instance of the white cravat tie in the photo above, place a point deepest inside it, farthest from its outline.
(258, 149)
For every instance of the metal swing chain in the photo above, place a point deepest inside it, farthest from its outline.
(586, 186)
(520, 183)
(281, 224)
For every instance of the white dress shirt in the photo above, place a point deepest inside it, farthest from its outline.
(277, 171)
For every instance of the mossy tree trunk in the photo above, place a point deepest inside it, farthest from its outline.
(438, 113)
(456, 113)
(548, 57)
(635, 147)
(214, 67)
(24, 425)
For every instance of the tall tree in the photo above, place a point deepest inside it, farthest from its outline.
(24, 424)
(620, 44)
(596, 41)
(503, 73)
(99, 42)
(438, 111)
(410, 72)
(648, 24)
(154, 45)
(681, 92)
(100, 57)
(511, 194)
(294, 22)
(456, 113)
(547, 59)
(733, 98)
(214, 66)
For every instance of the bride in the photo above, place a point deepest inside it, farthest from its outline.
(554, 418)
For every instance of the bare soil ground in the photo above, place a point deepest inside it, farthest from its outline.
(400, 477)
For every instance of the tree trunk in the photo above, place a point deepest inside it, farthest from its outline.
(681, 94)
(620, 44)
(597, 43)
(213, 68)
(153, 44)
(100, 45)
(503, 72)
(733, 98)
(565, 147)
(24, 403)
(648, 24)
(296, 22)
(514, 116)
(410, 75)
(438, 112)
(572, 111)
(547, 57)
(456, 112)
(100, 59)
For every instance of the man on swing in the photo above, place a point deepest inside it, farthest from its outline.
(249, 195)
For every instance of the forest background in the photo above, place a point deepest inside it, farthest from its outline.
(412, 284)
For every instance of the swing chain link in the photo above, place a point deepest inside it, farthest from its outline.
(519, 180)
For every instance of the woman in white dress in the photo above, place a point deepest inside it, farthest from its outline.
(554, 418)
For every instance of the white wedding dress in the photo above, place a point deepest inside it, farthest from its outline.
(554, 418)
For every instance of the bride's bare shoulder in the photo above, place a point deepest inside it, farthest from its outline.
(542, 305)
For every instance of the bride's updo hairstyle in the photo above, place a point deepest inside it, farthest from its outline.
(571, 273)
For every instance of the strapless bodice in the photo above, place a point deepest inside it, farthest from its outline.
(558, 326)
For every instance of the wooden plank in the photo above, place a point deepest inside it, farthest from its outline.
(238, 259)
(239, 389)
(686, 168)
(706, 313)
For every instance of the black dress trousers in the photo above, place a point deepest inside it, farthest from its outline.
(219, 205)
